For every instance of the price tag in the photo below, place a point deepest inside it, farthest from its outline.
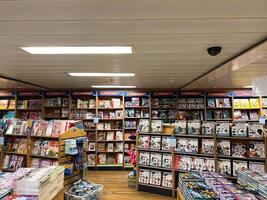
(262, 120)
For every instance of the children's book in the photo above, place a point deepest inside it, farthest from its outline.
(167, 179)
(110, 135)
(227, 102)
(143, 126)
(91, 159)
(239, 165)
(156, 126)
(223, 129)
(115, 102)
(239, 129)
(254, 103)
(255, 130)
(253, 115)
(155, 177)
(208, 165)
(155, 159)
(196, 163)
(224, 167)
(191, 145)
(145, 102)
(91, 146)
(207, 146)
(110, 147)
(102, 158)
(239, 150)
(244, 103)
(144, 142)
(184, 163)
(257, 167)
(180, 127)
(223, 147)
(193, 127)
(119, 135)
(211, 102)
(219, 102)
(135, 102)
(256, 150)
(181, 144)
(155, 142)
(227, 114)
(144, 176)
(167, 160)
(208, 128)
(166, 143)
(144, 158)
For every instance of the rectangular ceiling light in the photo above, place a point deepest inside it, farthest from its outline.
(102, 74)
(113, 86)
(79, 50)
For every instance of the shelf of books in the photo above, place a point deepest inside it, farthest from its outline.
(56, 105)
(223, 147)
(29, 105)
(163, 106)
(7, 104)
(191, 106)
(40, 143)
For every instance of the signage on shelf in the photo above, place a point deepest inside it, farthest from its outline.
(6, 94)
(29, 93)
(129, 94)
(111, 93)
(191, 93)
(242, 93)
(56, 93)
(219, 94)
(83, 93)
(164, 93)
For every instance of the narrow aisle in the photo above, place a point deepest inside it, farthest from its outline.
(116, 186)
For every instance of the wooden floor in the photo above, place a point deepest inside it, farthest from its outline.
(116, 186)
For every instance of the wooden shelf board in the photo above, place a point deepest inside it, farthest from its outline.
(155, 186)
(194, 136)
(112, 130)
(240, 158)
(109, 108)
(109, 151)
(130, 128)
(246, 108)
(152, 150)
(117, 119)
(159, 134)
(163, 108)
(7, 109)
(48, 157)
(240, 138)
(109, 165)
(15, 153)
(90, 129)
(194, 154)
(218, 108)
(109, 141)
(83, 108)
(29, 109)
(136, 117)
(153, 167)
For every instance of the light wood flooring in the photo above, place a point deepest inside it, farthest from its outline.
(116, 186)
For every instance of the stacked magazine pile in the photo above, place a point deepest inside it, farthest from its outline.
(43, 182)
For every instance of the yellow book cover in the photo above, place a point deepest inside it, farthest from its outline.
(236, 103)
(11, 104)
(3, 104)
(25, 104)
(244, 103)
(254, 103)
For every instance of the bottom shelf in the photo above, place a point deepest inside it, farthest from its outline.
(109, 165)
(156, 189)
(156, 186)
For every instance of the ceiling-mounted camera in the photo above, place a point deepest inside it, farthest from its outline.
(214, 51)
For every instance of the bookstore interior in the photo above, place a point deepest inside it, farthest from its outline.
(133, 100)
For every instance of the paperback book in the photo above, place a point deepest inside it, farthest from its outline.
(211, 102)
(239, 150)
(193, 127)
(144, 158)
(155, 142)
(256, 150)
(224, 167)
(180, 127)
(144, 142)
(207, 146)
(143, 126)
(144, 176)
(239, 130)
(167, 179)
(155, 159)
(208, 128)
(255, 130)
(166, 143)
(166, 160)
(223, 129)
(156, 126)
(155, 177)
(223, 147)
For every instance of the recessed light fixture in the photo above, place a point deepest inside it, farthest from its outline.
(102, 74)
(248, 86)
(79, 50)
(113, 86)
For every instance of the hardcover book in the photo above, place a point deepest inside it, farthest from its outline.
(144, 142)
(254, 103)
(239, 150)
(208, 128)
(237, 103)
(219, 102)
(156, 126)
(224, 167)
(166, 160)
(145, 102)
(196, 163)
(207, 146)
(211, 102)
(155, 177)
(227, 102)
(143, 126)
(167, 179)
(256, 150)
(181, 144)
(192, 145)
(155, 159)
(144, 176)
(180, 127)
(166, 143)
(155, 142)
(144, 158)
(91, 146)
(184, 163)
(223, 129)
(244, 103)
(255, 130)
(208, 165)
(223, 147)
(193, 127)
(239, 130)
(239, 165)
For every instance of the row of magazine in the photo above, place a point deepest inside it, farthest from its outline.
(154, 177)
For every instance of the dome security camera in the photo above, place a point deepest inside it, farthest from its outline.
(214, 51)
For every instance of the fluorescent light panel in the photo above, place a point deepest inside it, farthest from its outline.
(79, 50)
(102, 74)
(113, 86)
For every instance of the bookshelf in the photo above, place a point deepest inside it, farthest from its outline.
(7, 104)
(30, 158)
(212, 155)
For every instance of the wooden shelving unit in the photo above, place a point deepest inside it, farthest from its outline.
(62, 158)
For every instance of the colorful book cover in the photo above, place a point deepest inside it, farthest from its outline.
(256, 150)
(4, 104)
(144, 142)
(115, 103)
(56, 129)
(144, 158)
(255, 130)
(211, 102)
(223, 129)
(224, 167)
(155, 177)
(207, 146)
(155, 159)
(166, 143)
(239, 129)
(167, 179)
(227, 102)
(156, 126)
(219, 102)
(181, 145)
(191, 146)
(143, 126)
(196, 163)
(223, 147)
(22, 147)
(193, 127)
(155, 142)
(254, 103)
(135, 102)
(208, 128)
(167, 160)
(237, 103)
(180, 127)
(239, 150)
